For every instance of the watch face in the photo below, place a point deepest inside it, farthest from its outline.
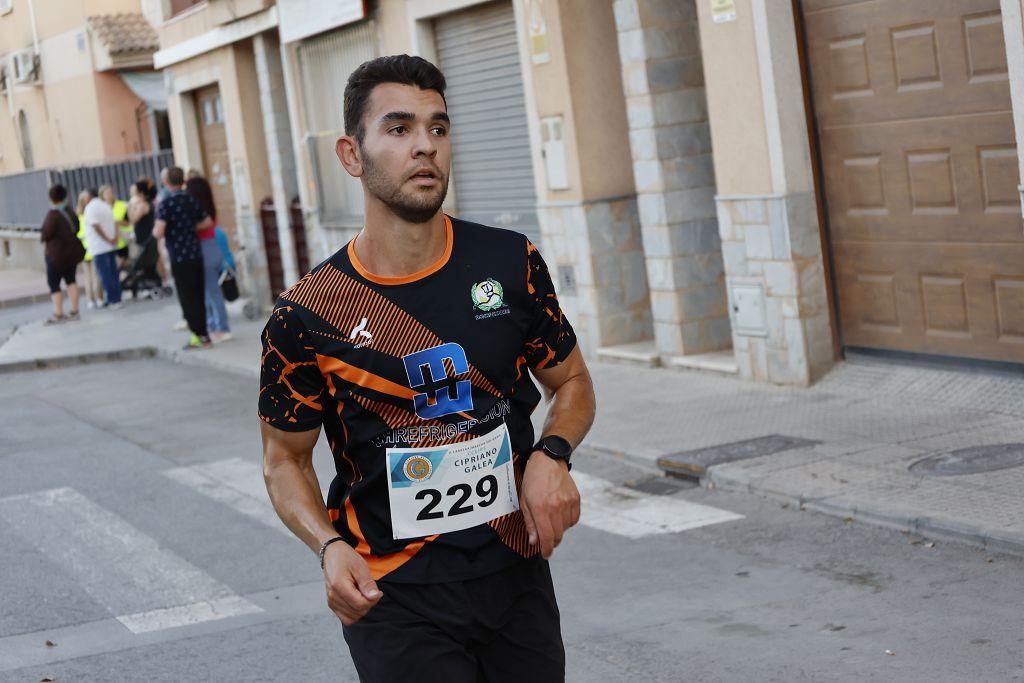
(557, 446)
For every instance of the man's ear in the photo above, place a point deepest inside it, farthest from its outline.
(348, 153)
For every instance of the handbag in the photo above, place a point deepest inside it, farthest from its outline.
(228, 284)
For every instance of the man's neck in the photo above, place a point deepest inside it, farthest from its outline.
(391, 247)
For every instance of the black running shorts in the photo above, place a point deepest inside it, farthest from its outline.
(499, 628)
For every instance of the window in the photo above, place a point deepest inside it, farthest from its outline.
(176, 7)
(213, 111)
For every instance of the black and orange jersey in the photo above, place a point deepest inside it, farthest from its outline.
(435, 358)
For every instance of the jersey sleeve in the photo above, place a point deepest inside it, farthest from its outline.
(550, 338)
(291, 385)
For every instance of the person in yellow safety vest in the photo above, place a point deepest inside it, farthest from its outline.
(93, 288)
(120, 209)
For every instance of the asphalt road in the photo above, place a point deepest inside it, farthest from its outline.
(134, 538)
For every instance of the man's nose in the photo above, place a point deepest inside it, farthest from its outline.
(424, 143)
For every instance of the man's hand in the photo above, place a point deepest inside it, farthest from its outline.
(550, 501)
(351, 591)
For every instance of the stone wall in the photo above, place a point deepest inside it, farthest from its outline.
(780, 316)
(663, 79)
(596, 259)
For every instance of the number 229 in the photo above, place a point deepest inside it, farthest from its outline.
(486, 489)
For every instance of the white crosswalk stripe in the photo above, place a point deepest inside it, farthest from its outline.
(236, 483)
(634, 514)
(616, 509)
(146, 587)
(233, 482)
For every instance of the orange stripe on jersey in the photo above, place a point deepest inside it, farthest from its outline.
(380, 565)
(343, 303)
(362, 378)
(419, 275)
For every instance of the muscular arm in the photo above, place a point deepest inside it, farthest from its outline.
(295, 492)
(292, 484)
(550, 501)
(574, 405)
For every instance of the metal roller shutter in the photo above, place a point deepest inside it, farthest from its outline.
(492, 169)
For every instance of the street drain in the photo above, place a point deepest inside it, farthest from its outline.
(973, 460)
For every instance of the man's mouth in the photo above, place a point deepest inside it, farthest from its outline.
(424, 177)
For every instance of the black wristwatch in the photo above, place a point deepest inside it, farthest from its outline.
(556, 448)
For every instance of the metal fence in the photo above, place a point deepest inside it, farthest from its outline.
(23, 199)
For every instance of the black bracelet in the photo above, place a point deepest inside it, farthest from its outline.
(323, 548)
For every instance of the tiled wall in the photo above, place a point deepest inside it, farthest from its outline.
(772, 249)
(663, 79)
(596, 259)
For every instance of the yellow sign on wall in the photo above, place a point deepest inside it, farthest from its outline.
(723, 11)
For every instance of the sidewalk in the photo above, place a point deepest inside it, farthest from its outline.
(842, 447)
(20, 286)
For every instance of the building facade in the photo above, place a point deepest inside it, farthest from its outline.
(746, 186)
(71, 74)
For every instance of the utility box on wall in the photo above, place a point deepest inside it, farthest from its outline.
(747, 309)
(553, 150)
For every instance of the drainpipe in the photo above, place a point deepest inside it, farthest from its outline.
(282, 208)
(35, 30)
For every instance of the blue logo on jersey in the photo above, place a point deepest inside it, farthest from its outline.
(437, 401)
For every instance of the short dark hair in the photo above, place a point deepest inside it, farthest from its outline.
(146, 187)
(58, 193)
(392, 69)
(175, 176)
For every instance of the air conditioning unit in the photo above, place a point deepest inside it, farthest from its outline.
(25, 65)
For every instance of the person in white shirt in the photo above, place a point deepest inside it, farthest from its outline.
(101, 241)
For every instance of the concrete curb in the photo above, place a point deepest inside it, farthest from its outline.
(875, 513)
(53, 362)
(24, 300)
(203, 359)
(181, 357)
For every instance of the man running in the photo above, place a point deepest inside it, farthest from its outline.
(413, 348)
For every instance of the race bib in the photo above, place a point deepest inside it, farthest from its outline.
(450, 488)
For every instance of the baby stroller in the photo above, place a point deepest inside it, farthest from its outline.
(140, 274)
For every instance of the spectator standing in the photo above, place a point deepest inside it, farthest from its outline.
(143, 217)
(63, 254)
(178, 219)
(213, 261)
(101, 239)
(93, 288)
(124, 227)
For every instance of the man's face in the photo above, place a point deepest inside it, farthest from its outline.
(108, 195)
(406, 151)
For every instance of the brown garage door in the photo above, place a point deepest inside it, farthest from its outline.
(216, 164)
(913, 110)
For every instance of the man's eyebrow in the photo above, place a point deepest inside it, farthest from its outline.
(397, 116)
(409, 116)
